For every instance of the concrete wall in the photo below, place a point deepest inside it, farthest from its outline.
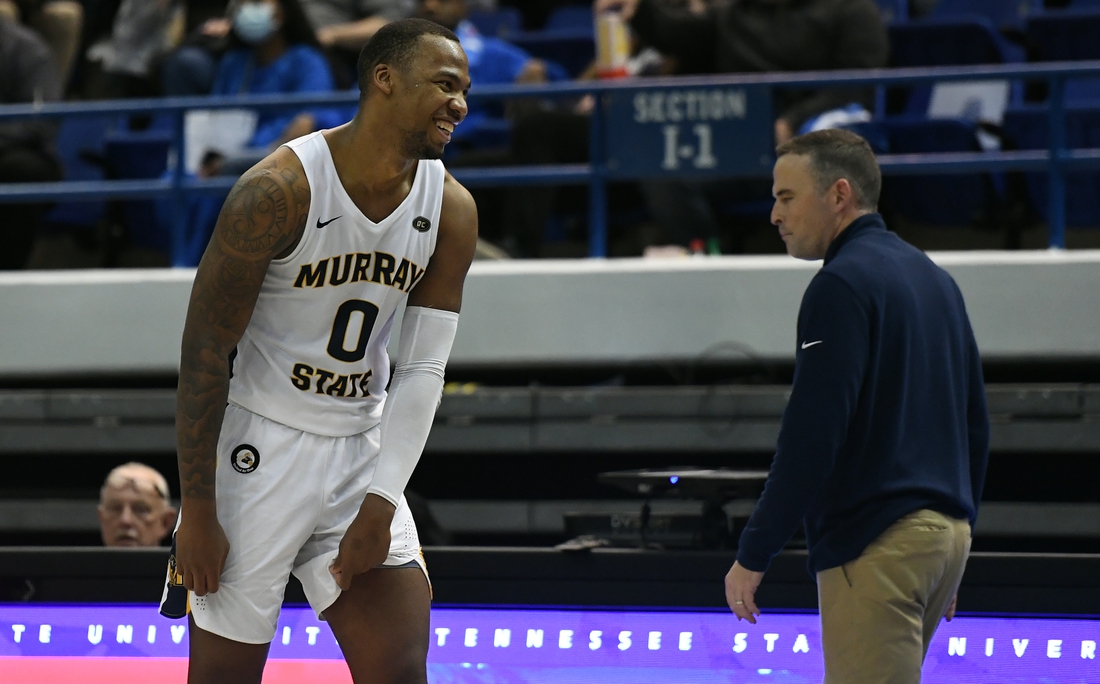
(1023, 305)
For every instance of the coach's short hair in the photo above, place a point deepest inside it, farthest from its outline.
(835, 154)
(395, 44)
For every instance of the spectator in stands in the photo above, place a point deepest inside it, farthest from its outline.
(190, 69)
(142, 33)
(560, 136)
(134, 507)
(28, 73)
(272, 50)
(344, 26)
(59, 22)
(758, 36)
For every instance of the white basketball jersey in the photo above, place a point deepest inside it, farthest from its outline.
(314, 354)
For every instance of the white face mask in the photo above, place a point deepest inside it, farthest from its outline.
(254, 22)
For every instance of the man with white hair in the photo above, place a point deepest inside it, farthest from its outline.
(134, 507)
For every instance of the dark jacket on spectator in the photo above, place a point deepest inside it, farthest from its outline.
(27, 74)
(751, 36)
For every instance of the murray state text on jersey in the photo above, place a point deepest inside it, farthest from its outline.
(375, 267)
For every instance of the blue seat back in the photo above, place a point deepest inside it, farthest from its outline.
(1027, 128)
(573, 51)
(576, 18)
(75, 136)
(500, 23)
(944, 42)
(140, 155)
(1001, 13)
(1066, 36)
(941, 199)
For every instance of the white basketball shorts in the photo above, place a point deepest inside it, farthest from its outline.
(285, 499)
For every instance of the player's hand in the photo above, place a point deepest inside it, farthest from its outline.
(201, 547)
(741, 584)
(951, 608)
(366, 543)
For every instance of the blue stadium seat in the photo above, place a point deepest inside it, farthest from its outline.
(1065, 36)
(499, 23)
(1009, 14)
(574, 18)
(77, 138)
(1026, 127)
(942, 199)
(957, 40)
(139, 155)
(572, 50)
(945, 42)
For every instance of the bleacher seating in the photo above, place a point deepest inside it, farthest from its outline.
(1027, 129)
(1004, 14)
(573, 18)
(1066, 36)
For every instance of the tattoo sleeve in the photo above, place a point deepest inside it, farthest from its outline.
(262, 218)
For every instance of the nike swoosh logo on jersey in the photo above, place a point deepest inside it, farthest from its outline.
(322, 224)
(807, 345)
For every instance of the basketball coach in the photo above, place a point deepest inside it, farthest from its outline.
(883, 447)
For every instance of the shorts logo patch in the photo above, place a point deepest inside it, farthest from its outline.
(245, 459)
(422, 224)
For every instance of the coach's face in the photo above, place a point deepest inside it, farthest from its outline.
(806, 221)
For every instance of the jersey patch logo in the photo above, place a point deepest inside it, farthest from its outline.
(245, 459)
(322, 224)
(421, 224)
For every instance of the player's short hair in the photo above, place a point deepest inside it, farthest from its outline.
(395, 44)
(835, 154)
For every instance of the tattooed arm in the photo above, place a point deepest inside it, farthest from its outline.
(262, 218)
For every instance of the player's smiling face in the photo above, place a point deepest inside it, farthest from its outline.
(434, 96)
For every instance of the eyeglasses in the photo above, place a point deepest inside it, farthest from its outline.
(139, 510)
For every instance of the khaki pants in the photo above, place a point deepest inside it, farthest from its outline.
(879, 611)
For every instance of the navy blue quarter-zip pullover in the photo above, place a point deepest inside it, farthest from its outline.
(887, 413)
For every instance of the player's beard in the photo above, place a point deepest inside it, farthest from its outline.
(418, 146)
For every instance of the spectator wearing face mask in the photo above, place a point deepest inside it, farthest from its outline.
(134, 507)
(276, 52)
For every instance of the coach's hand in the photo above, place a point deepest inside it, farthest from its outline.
(950, 614)
(201, 547)
(741, 584)
(366, 543)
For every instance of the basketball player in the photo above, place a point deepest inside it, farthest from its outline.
(291, 312)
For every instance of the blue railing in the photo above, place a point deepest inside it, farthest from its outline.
(1056, 160)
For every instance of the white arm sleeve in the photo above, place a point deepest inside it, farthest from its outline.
(415, 391)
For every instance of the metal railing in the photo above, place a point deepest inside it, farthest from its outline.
(1056, 160)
